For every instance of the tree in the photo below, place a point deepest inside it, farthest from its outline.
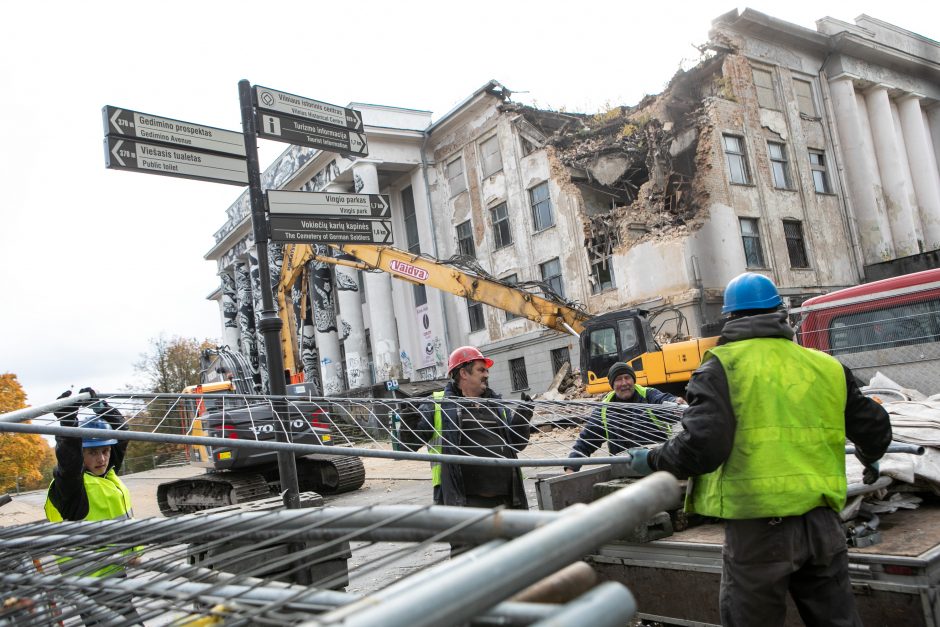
(25, 458)
(171, 365)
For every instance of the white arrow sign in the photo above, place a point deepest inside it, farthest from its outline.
(329, 204)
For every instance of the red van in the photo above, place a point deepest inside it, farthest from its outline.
(890, 326)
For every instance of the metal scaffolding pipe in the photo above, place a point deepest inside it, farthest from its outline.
(608, 605)
(78, 432)
(28, 413)
(460, 594)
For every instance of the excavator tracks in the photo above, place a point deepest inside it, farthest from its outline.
(330, 474)
(209, 491)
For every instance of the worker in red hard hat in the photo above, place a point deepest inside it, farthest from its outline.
(454, 425)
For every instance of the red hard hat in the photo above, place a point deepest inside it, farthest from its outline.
(466, 354)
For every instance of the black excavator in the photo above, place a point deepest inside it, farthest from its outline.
(223, 406)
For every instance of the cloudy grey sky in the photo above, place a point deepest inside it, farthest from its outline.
(97, 262)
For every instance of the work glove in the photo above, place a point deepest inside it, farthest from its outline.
(67, 415)
(639, 463)
(526, 409)
(872, 469)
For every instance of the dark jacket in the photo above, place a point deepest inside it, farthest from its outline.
(627, 426)
(709, 422)
(514, 432)
(67, 490)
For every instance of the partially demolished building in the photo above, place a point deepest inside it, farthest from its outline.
(808, 155)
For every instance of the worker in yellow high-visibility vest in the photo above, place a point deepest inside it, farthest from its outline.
(763, 441)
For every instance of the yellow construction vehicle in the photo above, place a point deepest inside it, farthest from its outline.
(604, 339)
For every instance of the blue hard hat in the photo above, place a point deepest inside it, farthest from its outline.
(97, 423)
(750, 291)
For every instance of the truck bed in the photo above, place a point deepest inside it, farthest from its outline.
(676, 579)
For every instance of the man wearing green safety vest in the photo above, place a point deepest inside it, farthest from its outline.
(461, 421)
(622, 426)
(85, 486)
(764, 443)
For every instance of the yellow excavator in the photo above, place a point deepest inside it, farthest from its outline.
(623, 335)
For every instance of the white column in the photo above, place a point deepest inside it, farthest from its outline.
(861, 174)
(384, 331)
(352, 329)
(894, 184)
(932, 120)
(923, 169)
(229, 305)
(324, 319)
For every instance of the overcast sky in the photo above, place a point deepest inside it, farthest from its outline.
(97, 262)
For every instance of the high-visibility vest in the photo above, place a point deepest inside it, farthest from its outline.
(108, 498)
(642, 392)
(789, 444)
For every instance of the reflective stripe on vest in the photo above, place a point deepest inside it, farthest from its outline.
(108, 498)
(434, 446)
(789, 443)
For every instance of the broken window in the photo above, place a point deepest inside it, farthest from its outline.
(560, 357)
(796, 248)
(541, 201)
(804, 97)
(455, 179)
(817, 163)
(602, 276)
(737, 159)
(475, 312)
(512, 279)
(750, 235)
(502, 234)
(489, 155)
(465, 245)
(528, 145)
(778, 165)
(551, 276)
(518, 375)
(764, 84)
(411, 238)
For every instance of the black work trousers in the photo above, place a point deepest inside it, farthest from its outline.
(805, 556)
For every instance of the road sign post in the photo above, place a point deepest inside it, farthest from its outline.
(269, 323)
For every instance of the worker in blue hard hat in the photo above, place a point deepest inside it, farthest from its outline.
(764, 444)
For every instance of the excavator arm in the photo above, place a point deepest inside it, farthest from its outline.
(461, 282)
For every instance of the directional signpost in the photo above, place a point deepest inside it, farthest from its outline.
(295, 229)
(299, 132)
(124, 154)
(329, 204)
(300, 107)
(136, 125)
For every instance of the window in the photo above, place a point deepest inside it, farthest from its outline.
(528, 145)
(551, 276)
(502, 234)
(753, 253)
(475, 311)
(737, 159)
(764, 84)
(796, 248)
(804, 97)
(512, 279)
(411, 238)
(560, 357)
(489, 155)
(465, 245)
(517, 373)
(778, 165)
(602, 276)
(817, 163)
(455, 179)
(541, 203)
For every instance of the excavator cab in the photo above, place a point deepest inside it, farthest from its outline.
(626, 336)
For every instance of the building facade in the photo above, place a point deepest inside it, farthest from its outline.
(807, 155)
